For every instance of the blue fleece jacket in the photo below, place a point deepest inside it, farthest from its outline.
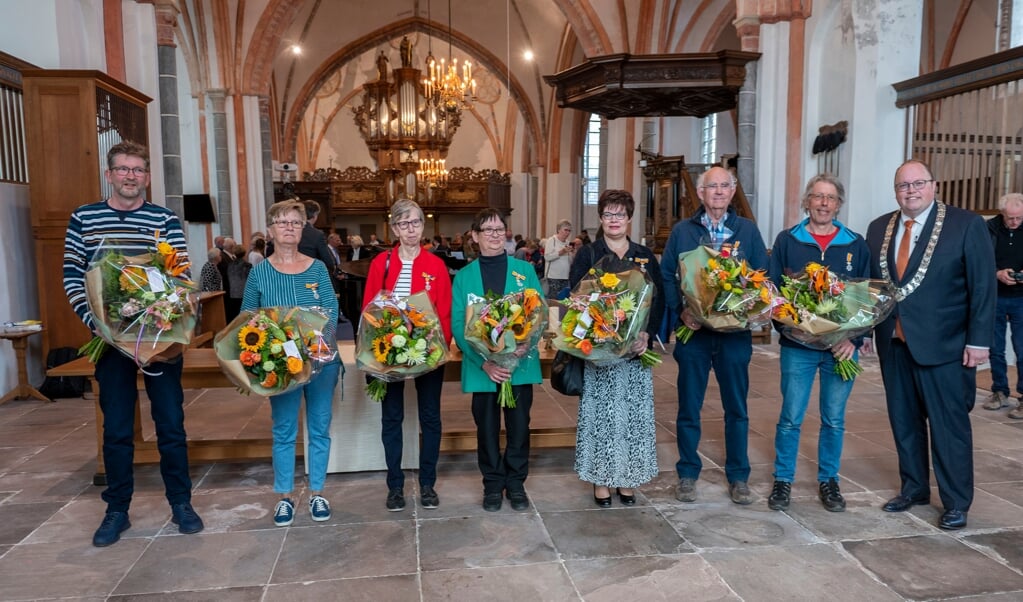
(847, 256)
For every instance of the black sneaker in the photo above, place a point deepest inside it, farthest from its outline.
(492, 501)
(518, 500)
(395, 500)
(186, 519)
(831, 497)
(428, 497)
(781, 495)
(114, 523)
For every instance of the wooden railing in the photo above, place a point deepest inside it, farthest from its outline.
(966, 122)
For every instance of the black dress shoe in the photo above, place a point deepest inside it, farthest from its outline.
(901, 503)
(492, 501)
(952, 520)
(626, 500)
(601, 502)
(518, 500)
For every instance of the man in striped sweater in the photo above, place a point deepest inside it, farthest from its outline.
(126, 222)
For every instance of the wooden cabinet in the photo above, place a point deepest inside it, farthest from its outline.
(71, 119)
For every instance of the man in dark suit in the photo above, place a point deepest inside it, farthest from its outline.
(313, 242)
(940, 259)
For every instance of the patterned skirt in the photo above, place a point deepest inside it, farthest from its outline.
(616, 442)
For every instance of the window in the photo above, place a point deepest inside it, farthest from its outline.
(592, 157)
(709, 138)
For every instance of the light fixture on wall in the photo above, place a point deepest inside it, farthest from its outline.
(447, 86)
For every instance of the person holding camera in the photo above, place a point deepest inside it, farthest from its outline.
(1009, 307)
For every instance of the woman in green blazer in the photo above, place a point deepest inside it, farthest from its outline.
(496, 272)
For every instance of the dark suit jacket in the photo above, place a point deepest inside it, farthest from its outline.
(314, 244)
(954, 306)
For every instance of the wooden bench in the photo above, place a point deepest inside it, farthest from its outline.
(201, 371)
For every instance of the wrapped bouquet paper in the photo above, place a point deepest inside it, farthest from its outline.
(607, 311)
(399, 338)
(143, 305)
(506, 329)
(723, 292)
(820, 310)
(271, 350)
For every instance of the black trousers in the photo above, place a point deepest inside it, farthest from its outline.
(392, 414)
(934, 400)
(507, 471)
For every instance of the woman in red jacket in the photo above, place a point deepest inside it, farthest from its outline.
(404, 270)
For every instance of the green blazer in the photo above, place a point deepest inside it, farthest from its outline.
(468, 280)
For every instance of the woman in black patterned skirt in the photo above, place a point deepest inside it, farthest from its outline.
(615, 436)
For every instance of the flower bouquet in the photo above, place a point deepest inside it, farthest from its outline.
(504, 330)
(271, 350)
(819, 310)
(607, 311)
(143, 305)
(722, 291)
(399, 338)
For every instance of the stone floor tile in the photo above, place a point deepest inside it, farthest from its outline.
(727, 525)
(881, 472)
(236, 476)
(1010, 492)
(78, 520)
(616, 532)
(994, 437)
(934, 566)
(227, 594)
(204, 561)
(540, 582)
(44, 486)
(1007, 546)
(990, 467)
(340, 551)
(554, 493)
(63, 569)
(20, 520)
(810, 572)
(862, 519)
(648, 578)
(12, 458)
(393, 588)
(497, 539)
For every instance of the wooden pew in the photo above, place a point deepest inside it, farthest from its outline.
(201, 371)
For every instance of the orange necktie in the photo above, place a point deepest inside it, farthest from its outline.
(901, 261)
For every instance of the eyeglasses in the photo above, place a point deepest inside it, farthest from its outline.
(916, 184)
(289, 223)
(820, 196)
(722, 186)
(493, 231)
(123, 170)
(613, 216)
(411, 224)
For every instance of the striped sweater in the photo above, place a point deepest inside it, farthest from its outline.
(266, 287)
(129, 232)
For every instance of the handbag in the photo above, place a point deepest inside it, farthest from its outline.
(567, 374)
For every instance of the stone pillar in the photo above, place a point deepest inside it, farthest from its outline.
(166, 20)
(264, 136)
(748, 28)
(221, 162)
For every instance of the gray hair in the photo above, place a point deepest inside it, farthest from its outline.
(213, 253)
(1013, 198)
(563, 224)
(827, 179)
(703, 176)
(402, 207)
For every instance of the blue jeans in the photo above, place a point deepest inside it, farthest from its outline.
(319, 401)
(729, 355)
(392, 414)
(799, 367)
(1008, 311)
(116, 374)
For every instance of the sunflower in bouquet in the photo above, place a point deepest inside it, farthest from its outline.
(819, 310)
(269, 351)
(606, 313)
(136, 299)
(504, 330)
(399, 338)
(723, 291)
